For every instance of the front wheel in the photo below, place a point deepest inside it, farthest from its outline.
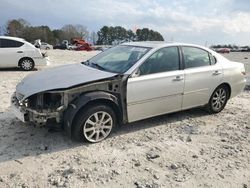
(218, 99)
(94, 124)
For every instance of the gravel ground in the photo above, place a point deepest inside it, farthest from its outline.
(185, 149)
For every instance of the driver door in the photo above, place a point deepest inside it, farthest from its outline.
(158, 87)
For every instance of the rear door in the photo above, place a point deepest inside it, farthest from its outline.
(10, 52)
(202, 76)
(158, 87)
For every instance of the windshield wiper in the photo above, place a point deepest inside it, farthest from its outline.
(87, 62)
(98, 66)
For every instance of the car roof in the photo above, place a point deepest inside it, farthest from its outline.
(159, 44)
(12, 38)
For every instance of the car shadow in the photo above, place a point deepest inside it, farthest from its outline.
(160, 120)
(19, 140)
(15, 70)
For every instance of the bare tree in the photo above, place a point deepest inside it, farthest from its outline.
(82, 30)
(74, 31)
(16, 27)
(93, 37)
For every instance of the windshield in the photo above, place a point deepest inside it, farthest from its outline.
(118, 59)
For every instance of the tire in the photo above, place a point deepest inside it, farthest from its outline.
(218, 100)
(27, 64)
(94, 123)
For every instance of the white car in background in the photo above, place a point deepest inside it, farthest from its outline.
(46, 46)
(16, 52)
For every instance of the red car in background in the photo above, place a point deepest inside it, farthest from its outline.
(86, 47)
(81, 45)
(223, 50)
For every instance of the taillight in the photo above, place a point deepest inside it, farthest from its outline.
(243, 70)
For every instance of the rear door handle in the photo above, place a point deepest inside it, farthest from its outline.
(19, 52)
(216, 73)
(178, 78)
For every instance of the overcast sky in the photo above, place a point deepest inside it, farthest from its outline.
(193, 21)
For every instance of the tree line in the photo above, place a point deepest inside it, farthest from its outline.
(228, 46)
(105, 36)
(23, 29)
(110, 35)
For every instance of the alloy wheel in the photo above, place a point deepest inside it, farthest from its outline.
(98, 126)
(219, 99)
(27, 64)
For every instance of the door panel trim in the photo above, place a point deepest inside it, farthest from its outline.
(198, 90)
(153, 99)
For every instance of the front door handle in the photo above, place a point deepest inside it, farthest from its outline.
(19, 52)
(178, 78)
(216, 73)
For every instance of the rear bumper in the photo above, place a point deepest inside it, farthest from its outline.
(41, 62)
(248, 81)
(238, 88)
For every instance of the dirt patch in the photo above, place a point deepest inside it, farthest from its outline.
(185, 149)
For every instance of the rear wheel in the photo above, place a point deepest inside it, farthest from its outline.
(27, 64)
(94, 124)
(218, 99)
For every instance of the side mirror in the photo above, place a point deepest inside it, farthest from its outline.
(136, 73)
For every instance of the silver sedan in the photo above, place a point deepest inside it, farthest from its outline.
(127, 83)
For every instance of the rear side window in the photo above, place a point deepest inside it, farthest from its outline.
(6, 43)
(195, 57)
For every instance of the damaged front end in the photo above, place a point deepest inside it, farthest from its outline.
(53, 106)
(39, 108)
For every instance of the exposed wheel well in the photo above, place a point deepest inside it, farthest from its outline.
(228, 88)
(19, 62)
(209, 104)
(104, 102)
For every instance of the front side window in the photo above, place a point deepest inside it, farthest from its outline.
(118, 59)
(165, 59)
(195, 57)
(6, 43)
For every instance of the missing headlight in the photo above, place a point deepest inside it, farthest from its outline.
(52, 100)
(45, 101)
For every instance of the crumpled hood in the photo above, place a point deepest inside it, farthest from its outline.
(61, 77)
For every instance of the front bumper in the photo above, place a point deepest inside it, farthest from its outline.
(17, 109)
(26, 114)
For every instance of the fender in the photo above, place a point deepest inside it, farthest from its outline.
(80, 102)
